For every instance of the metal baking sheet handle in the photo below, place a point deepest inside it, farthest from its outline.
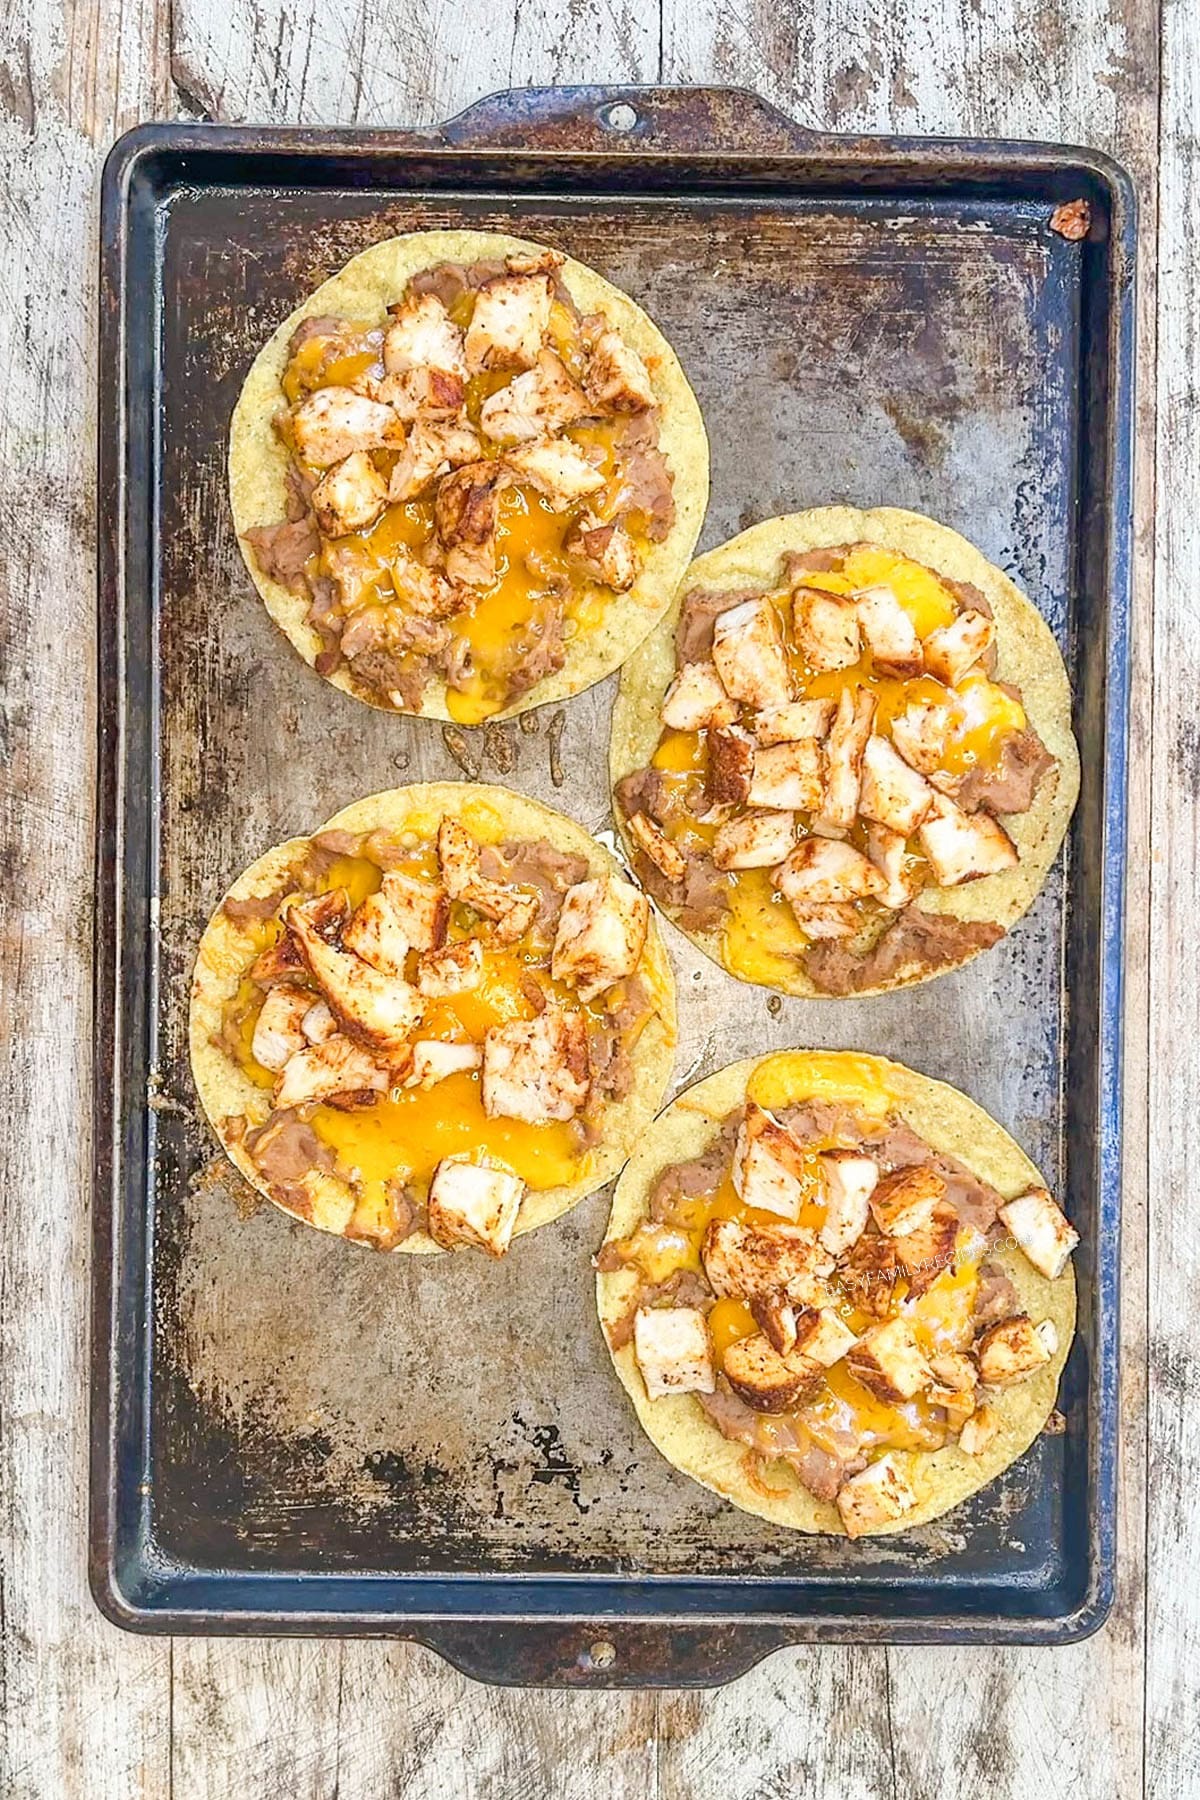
(600, 120)
(602, 1653)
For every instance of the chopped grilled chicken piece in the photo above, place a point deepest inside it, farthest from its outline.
(538, 404)
(826, 629)
(603, 551)
(887, 850)
(764, 1379)
(749, 655)
(534, 262)
(280, 961)
(746, 1262)
(823, 1337)
(454, 969)
(350, 496)
(1014, 1349)
(658, 847)
(422, 396)
(821, 872)
(422, 590)
(849, 1181)
(890, 634)
(508, 326)
(843, 757)
(601, 934)
(955, 649)
(834, 921)
(888, 1359)
(730, 765)
(903, 1201)
(536, 1069)
(964, 846)
(870, 1272)
(279, 1028)
(775, 1317)
(378, 1011)
(790, 724)
(954, 1369)
(892, 794)
(953, 1387)
(920, 733)
(877, 1495)
(335, 422)
(465, 512)
(556, 469)
(928, 1250)
(770, 1169)
(431, 450)
(422, 335)
(318, 1023)
(696, 698)
(617, 379)
(673, 1350)
(757, 840)
(979, 1431)
(474, 1202)
(1041, 1228)
(433, 1061)
(789, 777)
(511, 909)
(327, 1071)
(402, 915)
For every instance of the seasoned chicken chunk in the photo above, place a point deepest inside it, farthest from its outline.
(888, 1359)
(979, 1431)
(955, 649)
(789, 777)
(318, 1023)
(537, 404)
(509, 324)
(892, 794)
(822, 872)
(730, 765)
(465, 511)
(1040, 1227)
(335, 422)
(422, 335)
(835, 920)
(454, 969)
(474, 1200)
(601, 934)
(789, 724)
(848, 1179)
(378, 1011)
(696, 698)
(512, 910)
(822, 1337)
(327, 1071)
(422, 396)
(844, 749)
(536, 1069)
(953, 1387)
(603, 551)
(749, 655)
(920, 733)
(877, 1495)
(928, 1250)
(432, 450)
(826, 629)
(775, 1317)
(746, 1262)
(403, 914)
(350, 496)
(557, 469)
(617, 379)
(890, 634)
(770, 1169)
(904, 1200)
(764, 1379)
(870, 1271)
(1014, 1349)
(433, 1061)
(964, 846)
(279, 1028)
(756, 840)
(888, 851)
(673, 1350)
(422, 590)
(665, 855)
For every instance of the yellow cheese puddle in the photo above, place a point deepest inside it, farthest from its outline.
(928, 603)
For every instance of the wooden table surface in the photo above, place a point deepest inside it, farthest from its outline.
(90, 1712)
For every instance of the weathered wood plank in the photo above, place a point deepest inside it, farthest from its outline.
(1173, 1535)
(83, 1710)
